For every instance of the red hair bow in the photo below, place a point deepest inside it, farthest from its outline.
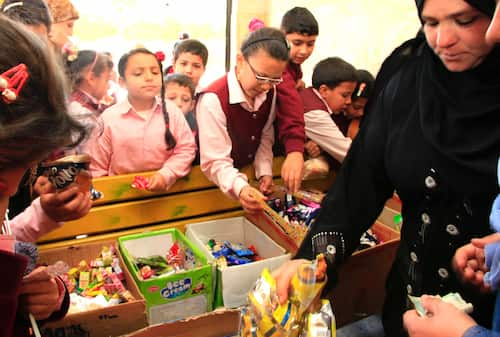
(160, 56)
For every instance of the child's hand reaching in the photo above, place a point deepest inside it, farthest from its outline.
(266, 184)
(312, 149)
(249, 199)
(40, 294)
(469, 261)
(156, 183)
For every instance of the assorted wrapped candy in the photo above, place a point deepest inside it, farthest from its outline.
(176, 260)
(140, 183)
(368, 240)
(231, 254)
(293, 213)
(300, 316)
(95, 284)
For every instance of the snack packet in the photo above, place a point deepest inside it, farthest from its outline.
(265, 316)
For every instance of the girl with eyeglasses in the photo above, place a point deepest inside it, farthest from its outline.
(235, 116)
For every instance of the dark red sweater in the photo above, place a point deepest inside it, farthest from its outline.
(312, 102)
(290, 112)
(244, 127)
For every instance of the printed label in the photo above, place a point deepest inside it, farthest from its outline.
(176, 288)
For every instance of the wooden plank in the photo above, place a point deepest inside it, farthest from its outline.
(179, 224)
(135, 213)
(118, 188)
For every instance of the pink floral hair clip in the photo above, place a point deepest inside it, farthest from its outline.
(71, 51)
(12, 81)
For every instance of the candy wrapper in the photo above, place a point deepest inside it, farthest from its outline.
(68, 170)
(140, 183)
(266, 317)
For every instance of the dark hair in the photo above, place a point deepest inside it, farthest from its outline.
(331, 72)
(122, 65)
(98, 63)
(271, 40)
(182, 80)
(30, 12)
(37, 122)
(365, 84)
(192, 46)
(299, 20)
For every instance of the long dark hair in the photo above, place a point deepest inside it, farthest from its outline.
(122, 64)
(37, 122)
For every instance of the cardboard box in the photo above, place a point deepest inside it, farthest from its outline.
(175, 296)
(360, 291)
(219, 323)
(111, 321)
(233, 283)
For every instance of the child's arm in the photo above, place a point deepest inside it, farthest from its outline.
(215, 147)
(263, 162)
(290, 118)
(179, 163)
(323, 131)
(290, 115)
(100, 150)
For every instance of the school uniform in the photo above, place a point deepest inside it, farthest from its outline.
(289, 114)
(234, 134)
(132, 143)
(86, 110)
(320, 126)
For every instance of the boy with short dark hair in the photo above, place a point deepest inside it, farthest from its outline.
(190, 58)
(333, 82)
(301, 30)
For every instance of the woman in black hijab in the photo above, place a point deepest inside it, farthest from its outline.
(433, 135)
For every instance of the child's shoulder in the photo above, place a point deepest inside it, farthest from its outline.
(116, 110)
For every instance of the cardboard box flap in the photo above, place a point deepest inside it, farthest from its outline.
(214, 324)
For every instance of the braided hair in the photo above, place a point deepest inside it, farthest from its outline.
(122, 64)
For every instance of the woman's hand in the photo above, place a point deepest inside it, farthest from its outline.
(283, 276)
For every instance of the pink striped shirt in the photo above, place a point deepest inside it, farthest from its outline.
(130, 143)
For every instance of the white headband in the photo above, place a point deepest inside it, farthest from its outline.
(14, 4)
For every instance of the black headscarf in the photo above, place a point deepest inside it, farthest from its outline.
(485, 6)
(459, 111)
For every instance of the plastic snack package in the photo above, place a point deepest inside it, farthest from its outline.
(320, 323)
(265, 316)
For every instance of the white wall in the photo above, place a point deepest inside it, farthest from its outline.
(363, 32)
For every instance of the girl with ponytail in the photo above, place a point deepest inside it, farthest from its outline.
(144, 132)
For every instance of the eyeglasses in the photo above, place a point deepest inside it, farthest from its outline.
(264, 79)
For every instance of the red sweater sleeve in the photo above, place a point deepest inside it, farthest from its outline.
(290, 115)
(10, 282)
